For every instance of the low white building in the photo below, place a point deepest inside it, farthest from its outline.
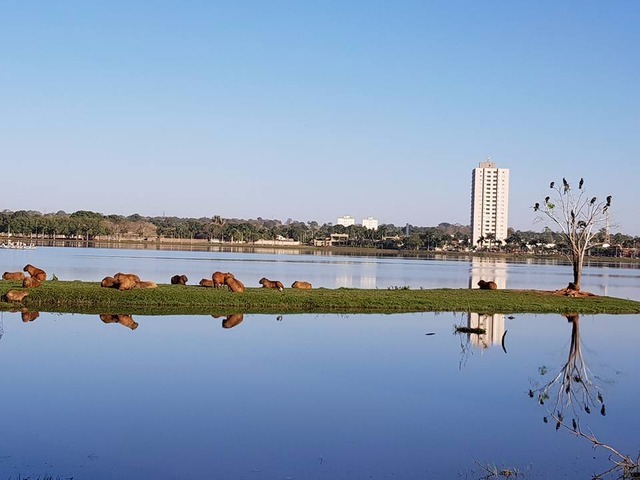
(346, 221)
(370, 223)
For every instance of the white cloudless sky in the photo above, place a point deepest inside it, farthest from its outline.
(314, 110)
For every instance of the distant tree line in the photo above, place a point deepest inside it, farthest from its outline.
(91, 225)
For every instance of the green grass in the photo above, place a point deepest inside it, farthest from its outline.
(90, 298)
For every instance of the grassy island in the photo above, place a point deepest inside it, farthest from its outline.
(91, 298)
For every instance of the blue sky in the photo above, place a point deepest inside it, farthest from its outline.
(313, 110)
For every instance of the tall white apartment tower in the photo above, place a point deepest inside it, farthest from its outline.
(489, 202)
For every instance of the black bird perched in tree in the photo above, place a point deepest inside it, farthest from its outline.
(593, 200)
(552, 184)
(581, 183)
(546, 199)
(608, 200)
(536, 207)
(566, 184)
(573, 217)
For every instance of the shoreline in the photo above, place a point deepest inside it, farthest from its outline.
(231, 247)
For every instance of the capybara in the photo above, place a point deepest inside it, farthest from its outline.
(179, 280)
(126, 320)
(15, 276)
(232, 320)
(271, 284)
(109, 282)
(301, 285)
(118, 275)
(14, 295)
(234, 284)
(218, 278)
(31, 282)
(35, 272)
(487, 285)
(28, 316)
(126, 281)
(145, 285)
(205, 282)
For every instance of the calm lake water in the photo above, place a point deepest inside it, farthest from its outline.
(314, 396)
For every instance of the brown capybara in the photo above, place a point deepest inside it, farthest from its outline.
(232, 320)
(126, 281)
(28, 316)
(271, 284)
(179, 280)
(35, 272)
(14, 295)
(487, 285)
(234, 284)
(301, 285)
(205, 282)
(31, 282)
(15, 276)
(109, 282)
(218, 278)
(120, 275)
(145, 285)
(126, 320)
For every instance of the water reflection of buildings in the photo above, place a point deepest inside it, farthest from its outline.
(488, 269)
(493, 326)
(364, 281)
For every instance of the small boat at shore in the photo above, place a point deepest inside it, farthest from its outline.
(18, 245)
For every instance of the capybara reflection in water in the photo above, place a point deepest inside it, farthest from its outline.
(125, 320)
(28, 316)
(232, 320)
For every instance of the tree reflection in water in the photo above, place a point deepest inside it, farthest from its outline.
(570, 394)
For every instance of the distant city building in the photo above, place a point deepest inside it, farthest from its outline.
(370, 223)
(346, 221)
(489, 203)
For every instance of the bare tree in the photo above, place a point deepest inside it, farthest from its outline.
(579, 217)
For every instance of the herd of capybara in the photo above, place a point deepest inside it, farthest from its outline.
(130, 281)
